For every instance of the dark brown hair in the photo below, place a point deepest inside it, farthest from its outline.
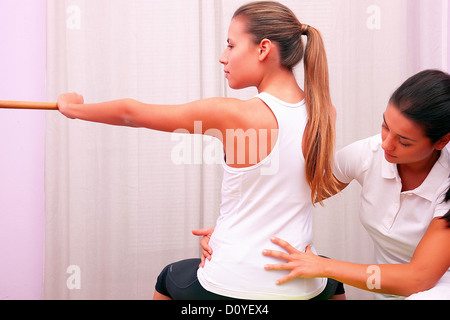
(425, 99)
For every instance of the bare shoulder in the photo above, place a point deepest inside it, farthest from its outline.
(240, 113)
(256, 114)
(231, 105)
(217, 107)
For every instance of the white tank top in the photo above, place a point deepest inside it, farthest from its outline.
(269, 199)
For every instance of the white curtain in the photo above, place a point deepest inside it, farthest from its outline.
(121, 202)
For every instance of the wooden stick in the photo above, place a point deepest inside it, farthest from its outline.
(30, 105)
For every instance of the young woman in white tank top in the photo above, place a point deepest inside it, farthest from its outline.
(267, 185)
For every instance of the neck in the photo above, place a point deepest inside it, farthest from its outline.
(281, 83)
(414, 174)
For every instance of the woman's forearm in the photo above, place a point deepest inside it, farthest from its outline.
(116, 112)
(396, 279)
(431, 260)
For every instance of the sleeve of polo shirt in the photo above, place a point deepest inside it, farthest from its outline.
(441, 207)
(353, 160)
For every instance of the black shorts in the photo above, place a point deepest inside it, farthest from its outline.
(179, 282)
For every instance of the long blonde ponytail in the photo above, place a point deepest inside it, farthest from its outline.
(320, 134)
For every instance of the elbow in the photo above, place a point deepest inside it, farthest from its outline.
(419, 282)
(417, 287)
(128, 113)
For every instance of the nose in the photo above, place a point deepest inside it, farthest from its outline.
(388, 144)
(223, 58)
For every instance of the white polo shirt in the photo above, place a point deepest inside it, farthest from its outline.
(395, 220)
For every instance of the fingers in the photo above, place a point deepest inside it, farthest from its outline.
(203, 232)
(277, 266)
(289, 277)
(291, 257)
(281, 266)
(202, 263)
(204, 244)
(282, 255)
(65, 100)
(206, 254)
(71, 98)
(284, 244)
(277, 254)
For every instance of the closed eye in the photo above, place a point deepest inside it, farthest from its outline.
(384, 126)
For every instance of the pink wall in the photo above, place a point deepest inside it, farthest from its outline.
(22, 77)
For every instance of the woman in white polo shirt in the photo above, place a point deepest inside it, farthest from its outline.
(404, 174)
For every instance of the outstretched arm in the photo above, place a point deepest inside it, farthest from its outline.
(214, 113)
(429, 263)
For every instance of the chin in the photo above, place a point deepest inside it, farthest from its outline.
(391, 159)
(234, 86)
(237, 86)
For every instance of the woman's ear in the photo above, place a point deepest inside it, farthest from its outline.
(264, 49)
(442, 143)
